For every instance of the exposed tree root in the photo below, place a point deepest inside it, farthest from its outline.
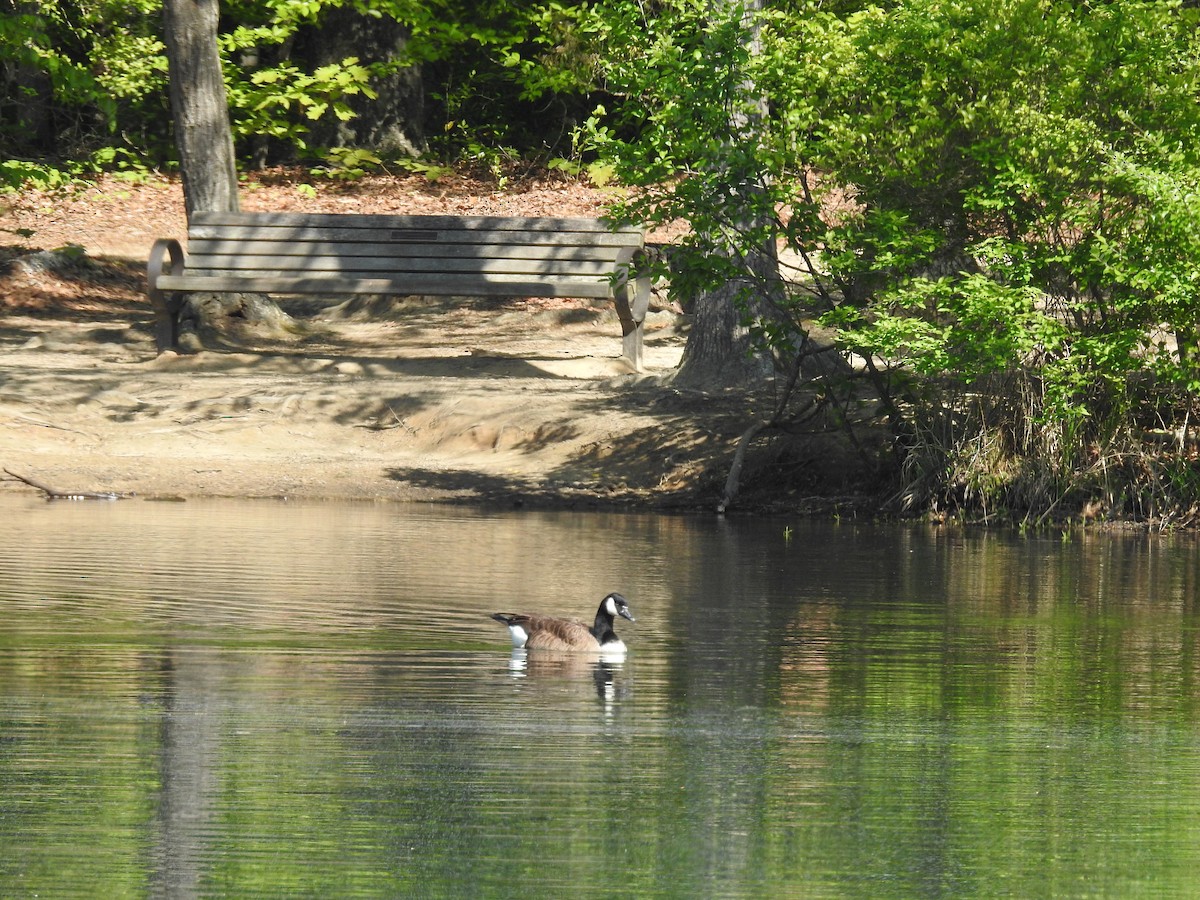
(55, 494)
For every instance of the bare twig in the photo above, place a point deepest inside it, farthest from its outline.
(732, 481)
(29, 420)
(54, 494)
(735, 468)
(376, 425)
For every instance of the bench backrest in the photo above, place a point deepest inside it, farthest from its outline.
(568, 256)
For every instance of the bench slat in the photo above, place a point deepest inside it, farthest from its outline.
(424, 236)
(266, 247)
(466, 286)
(469, 223)
(377, 266)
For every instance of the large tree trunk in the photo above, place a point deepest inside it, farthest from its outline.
(720, 351)
(391, 122)
(199, 106)
(205, 143)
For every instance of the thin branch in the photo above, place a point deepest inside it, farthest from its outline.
(55, 494)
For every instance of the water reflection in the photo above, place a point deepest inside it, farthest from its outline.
(226, 698)
(556, 670)
(189, 777)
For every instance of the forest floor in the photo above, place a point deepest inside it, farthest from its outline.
(519, 402)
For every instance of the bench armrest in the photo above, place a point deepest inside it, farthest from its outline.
(166, 258)
(631, 296)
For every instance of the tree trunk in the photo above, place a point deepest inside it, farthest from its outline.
(720, 350)
(27, 100)
(392, 122)
(199, 107)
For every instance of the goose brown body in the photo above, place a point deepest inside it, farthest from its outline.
(534, 632)
(549, 633)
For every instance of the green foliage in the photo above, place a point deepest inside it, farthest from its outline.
(281, 101)
(16, 174)
(534, 64)
(1049, 151)
(80, 75)
(348, 164)
(977, 190)
(432, 172)
(696, 141)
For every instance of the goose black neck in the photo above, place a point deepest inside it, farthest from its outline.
(603, 629)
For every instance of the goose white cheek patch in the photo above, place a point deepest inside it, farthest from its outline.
(519, 635)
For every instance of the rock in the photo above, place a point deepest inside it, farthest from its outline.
(70, 260)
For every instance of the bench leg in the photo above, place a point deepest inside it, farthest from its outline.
(631, 346)
(166, 257)
(631, 310)
(166, 326)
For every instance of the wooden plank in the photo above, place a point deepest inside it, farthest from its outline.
(198, 247)
(388, 236)
(432, 282)
(341, 220)
(466, 286)
(375, 266)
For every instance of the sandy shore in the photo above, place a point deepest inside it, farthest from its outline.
(510, 402)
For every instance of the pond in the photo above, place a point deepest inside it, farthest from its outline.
(270, 698)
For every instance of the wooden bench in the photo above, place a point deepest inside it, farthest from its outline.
(339, 254)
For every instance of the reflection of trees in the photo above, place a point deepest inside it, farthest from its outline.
(917, 682)
(855, 711)
(189, 778)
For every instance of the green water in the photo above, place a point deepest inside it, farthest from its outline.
(268, 699)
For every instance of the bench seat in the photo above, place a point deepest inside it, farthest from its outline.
(469, 256)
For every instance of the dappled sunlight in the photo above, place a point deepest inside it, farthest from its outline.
(496, 399)
(459, 399)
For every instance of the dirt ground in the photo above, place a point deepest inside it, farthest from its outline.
(512, 402)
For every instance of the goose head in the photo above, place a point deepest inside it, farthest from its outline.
(615, 605)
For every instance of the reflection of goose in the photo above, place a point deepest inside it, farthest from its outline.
(568, 666)
(552, 665)
(550, 633)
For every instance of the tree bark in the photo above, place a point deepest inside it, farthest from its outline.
(390, 123)
(720, 350)
(26, 100)
(199, 106)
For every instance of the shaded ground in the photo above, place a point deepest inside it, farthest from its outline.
(511, 402)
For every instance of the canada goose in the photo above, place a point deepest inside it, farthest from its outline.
(549, 633)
